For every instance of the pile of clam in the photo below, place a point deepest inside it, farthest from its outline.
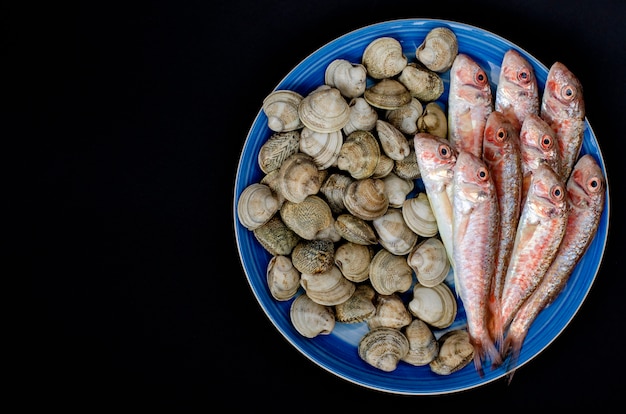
(352, 239)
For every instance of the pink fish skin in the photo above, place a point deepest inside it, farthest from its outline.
(475, 231)
(586, 198)
(470, 101)
(539, 232)
(517, 94)
(563, 108)
(501, 154)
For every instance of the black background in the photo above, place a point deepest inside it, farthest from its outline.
(134, 116)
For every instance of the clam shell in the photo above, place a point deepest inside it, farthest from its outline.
(323, 147)
(418, 215)
(334, 188)
(276, 237)
(383, 57)
(353, 260)
(408, 167)
(359, 154)
(271, 179)
(283, 279)
(256, 205)
(393, 233)
(313, 256)
(434, 305)
(350, 78)
(327, 288)
(433, 120)
(310, 318)
(438, 50)
(423, 346)
(366, 198)
(405, 117)
(359, 307)
(299, 177)
(392, 141)
(390, 273)
(383, 348)
(308, 218)
(281, 109)
(387, 94)
(423, 83)
(455, 352)
(355, 229)
(324, 110)
(390, 312)
(277, 148)
(397, 189)
(430, 262)
(362, 116)
(384, 167)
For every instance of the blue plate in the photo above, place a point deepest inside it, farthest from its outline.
(337, 352)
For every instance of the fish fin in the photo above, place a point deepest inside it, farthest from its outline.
(511, 349)
(485, 351)
(496, 329)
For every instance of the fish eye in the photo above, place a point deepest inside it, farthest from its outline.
(480, 77)
(594, 184)
(501, 134)
(482, 174)
(445, 151)
(524, 76)
(546, 142)
(568, 92)
(557, 192)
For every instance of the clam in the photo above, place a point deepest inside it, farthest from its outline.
(387, 94)
(271, 180)
(276, 237)
(333, 188)
(353, 260)
(383, 348)
(350, 78)
(397, 189)
(408, 167)
(366, 198)
(283, 279)
(405, 117)
(359, 154)
(362, 116)
(323, 147)
(418, 215)
(359, 307)
(327, 288)
(281, 109)
(390, 273)
(384, 167)
(434, 305)
(277, 148)
(355, 229)
(256, 205)
(299, 177)
(390, 312)
(423, 83)
(313, 256)
(433, 120)
(423, 346)
(455, 352)
(308, 218)
(438, 50)
(310, 318)
(383, 58)
(393, 233)
(324, 110)
(392, 141)
(430, 262)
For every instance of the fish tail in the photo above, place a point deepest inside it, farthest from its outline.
(511, 349)
(485, 350)
(494, 322)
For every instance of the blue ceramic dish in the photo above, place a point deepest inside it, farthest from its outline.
(337, 352)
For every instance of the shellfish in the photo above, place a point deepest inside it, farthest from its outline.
(383, 58)
(359, 154)
(299, 177)
(308, 218)
(256, 205)
(324, 110)
(390, 273)
(313, 256)
(393, 233)
(423, 83)
(362, 116)
(354, 261)
(405, 117)
(327, 288)
(310, 318)
(423, 346)
(350, 78)
(433, 120)
(383, 348)
(276, 237)
(390, 312)
(434, 305)
(455, 352)
(281, 109)
(277, 148)
(430, 262)
(392, 141)
(283, 279)
(359, 307)
(355, 229)
(366, 198)
(418, 215)
(387, 93)
(323, 147)
(438, 49)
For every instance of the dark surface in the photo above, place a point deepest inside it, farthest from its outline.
(135, 116)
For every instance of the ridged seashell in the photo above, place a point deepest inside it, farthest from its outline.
(434, 305)
(359, 154)
(390, 273)
(408, 167)
(299, 177)
(392, 141)
(313, 256)
(393, 233)
(277, 148)
(366, 198)
(423, 346)
(384, 167)
(438, 50)
(323, 147)
(383, 58)
(455, 352)
(362, 116)
(256, 205)
(359, 307)
(334, 188)
(353, 260)
(324, 110)
(283, 279)
(310, 318)
(327, 288)
(430, 262)
(423, 83)
(397, 189)
(307, 218)
(281, 109)
(387, 94)
(433, 120)
(405, 117)
(276, 237)
(350, 78)
(390, 312)
(383, 348)
(418, 215)
(355, 229)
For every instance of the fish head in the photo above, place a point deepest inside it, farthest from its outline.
(499, 136)
(547, 195)
(563, 93)
(472, 179)
(517, 71)
(472, 83)
(435, 157)
(586, 183)
(538, 143)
